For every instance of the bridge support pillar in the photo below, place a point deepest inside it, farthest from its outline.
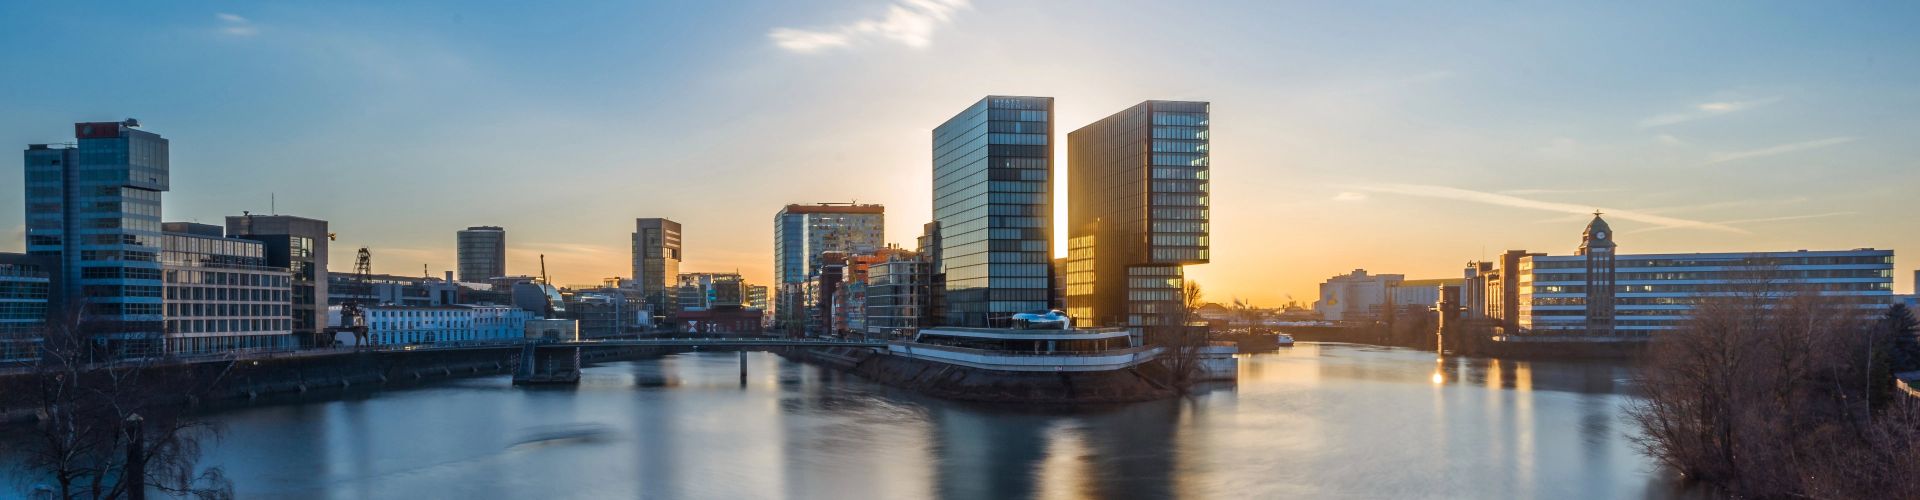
(743, 368)
(553, 365)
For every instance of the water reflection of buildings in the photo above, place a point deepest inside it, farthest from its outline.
(1126, 452)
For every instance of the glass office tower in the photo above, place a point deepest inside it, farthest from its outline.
(94, 205)
(1137, 213)
(993, 203)
(801, 235)
(482, 253)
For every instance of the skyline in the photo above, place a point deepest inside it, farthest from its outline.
(1334, 147)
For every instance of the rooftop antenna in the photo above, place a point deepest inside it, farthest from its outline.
(273, 203)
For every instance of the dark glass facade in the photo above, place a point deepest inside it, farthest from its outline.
(95, 206)
(299, 245)
(1137, 213)
(482, 253)
(993, 203)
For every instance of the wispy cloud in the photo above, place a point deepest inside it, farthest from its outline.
(1756, 221)
(1531, 191)
(1457, 194)
(1670, 140)
(907, 22)
(1776, 150)
(1350, 196)
(234, 25)
(1705, 110)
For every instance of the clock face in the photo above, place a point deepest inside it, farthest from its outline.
(1600, 235)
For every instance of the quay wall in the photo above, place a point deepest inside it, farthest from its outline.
(947, 381)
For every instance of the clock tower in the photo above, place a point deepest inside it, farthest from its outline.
(1597, 245)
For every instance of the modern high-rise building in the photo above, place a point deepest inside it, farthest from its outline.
(656, 261)
(1594, 294)
(1136, 213)
(482, 253)
(802, 234)
(993, 201)
(221, 293)
(299, 245)
(95, 206)
(26, 281)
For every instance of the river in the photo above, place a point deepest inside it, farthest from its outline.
(1310, 421)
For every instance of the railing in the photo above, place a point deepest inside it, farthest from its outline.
(1115, 359)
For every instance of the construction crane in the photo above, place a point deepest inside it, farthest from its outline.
(544, 282)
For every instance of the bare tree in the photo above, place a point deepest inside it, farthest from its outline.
(1182, 341)
(1761, 393)
(113, 429)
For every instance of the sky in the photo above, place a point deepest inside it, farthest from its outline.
(1399, 137)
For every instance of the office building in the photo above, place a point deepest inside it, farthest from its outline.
(393, 325)
(802, 234)
(1137, 213)
(299, 245)
(656, 262)
(388, 289)
(1491, 290)
(1600, 293)
(26, 285)
(482, 253)
(607, 311)
(94, 205)
(993, 201)
(221, 294)
(702, 291)
(757, 297)
(899, 295)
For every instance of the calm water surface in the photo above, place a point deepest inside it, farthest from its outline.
(1312, 421)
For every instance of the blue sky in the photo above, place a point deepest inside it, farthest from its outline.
(1400, 137)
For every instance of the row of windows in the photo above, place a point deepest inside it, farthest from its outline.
(1018, 174)
(1191, 133)
(111, 272)
(226, 294)
(122, 309)
(1179, 226)
(1017, 127)
(1018, 139)
(1180, 173)
(1184, 119)
(1756, 263)
(227, 278)
(16, 311)
(1714, 288)
(1180, 159)
(1153, 283)
(102, 291)
(1017, 115)
(1179, 254)
(1179, 200)
(118, 255)
(1730, 275)
(1185, 240)
(228, 325)
(1179, 186)
(206, 310)
(1170, 213)
(11, 289)
(1166, 146)
(1017, 186)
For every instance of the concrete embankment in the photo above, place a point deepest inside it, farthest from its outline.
(1140, 383)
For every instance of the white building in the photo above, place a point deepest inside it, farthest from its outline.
(220, 293)
(1356, 296)
(424, 325)
(1600, 293)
